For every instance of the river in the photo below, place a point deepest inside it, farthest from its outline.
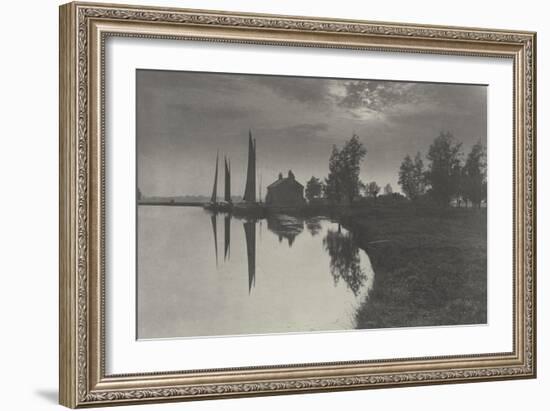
(203, 274)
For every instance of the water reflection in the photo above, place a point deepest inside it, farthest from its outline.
(250, 235)
(345, 262)
(345, 255)
(285, 227)
(214, 221)
(227, 237)
(313, 274)
(314, 226)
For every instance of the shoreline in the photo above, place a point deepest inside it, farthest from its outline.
(430, 268)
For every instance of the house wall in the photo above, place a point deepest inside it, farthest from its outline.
(285, 194)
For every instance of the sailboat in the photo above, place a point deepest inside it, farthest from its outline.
(250, 206)
(228, 202)
(250, 187)
(214, 204)
(214, 198)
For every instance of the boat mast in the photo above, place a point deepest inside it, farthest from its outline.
(250, 188)
(254, 181)
(260, 187)
(215, 188)
(227, 180)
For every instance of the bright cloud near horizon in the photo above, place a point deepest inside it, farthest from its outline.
(185, 118)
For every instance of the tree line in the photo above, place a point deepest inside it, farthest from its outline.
(343, 184)
(446, 178)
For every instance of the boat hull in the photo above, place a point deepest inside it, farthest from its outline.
(252, 210)
(219, 207)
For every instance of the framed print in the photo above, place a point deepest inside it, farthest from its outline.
(258, 204)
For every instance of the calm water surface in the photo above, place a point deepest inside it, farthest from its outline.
(201, 274)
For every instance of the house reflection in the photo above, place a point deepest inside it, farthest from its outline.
(285, 227)
(314, 226)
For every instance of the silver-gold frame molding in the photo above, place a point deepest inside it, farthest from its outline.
(84, 27)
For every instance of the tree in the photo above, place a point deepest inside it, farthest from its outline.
(474, 174)
(372, 189)
(412, 176)
(333, 189)
(314, 188)
(388, 190)
(444, 170)
(343, 181)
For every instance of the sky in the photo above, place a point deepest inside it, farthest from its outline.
(185, 118)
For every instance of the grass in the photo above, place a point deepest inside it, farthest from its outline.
(430, 265)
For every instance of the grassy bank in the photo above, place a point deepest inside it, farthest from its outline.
(430, 265)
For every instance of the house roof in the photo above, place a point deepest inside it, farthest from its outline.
(281, 181)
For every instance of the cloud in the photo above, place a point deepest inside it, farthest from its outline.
(374, 95)
(303, 130)
(313, 91)
(223, 111)
(369, 99)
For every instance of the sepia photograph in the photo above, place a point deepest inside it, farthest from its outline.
(281, 204)
(268, 204)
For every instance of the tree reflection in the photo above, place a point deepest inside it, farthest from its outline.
(345, 261)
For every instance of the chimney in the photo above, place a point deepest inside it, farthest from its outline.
(290, 175)
(280, 176)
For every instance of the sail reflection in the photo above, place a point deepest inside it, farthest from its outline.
(345, 256)
(227, 237)
(250, 234)
(214, 221)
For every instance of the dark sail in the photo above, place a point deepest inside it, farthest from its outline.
(260, 193)
(227, 180)
(250, 188)
(250, 234)
(214, 197)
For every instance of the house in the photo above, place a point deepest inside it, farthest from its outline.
(285, 192)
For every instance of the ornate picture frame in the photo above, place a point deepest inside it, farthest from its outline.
(84, 29)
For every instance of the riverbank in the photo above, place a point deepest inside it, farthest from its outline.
(430, 265)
